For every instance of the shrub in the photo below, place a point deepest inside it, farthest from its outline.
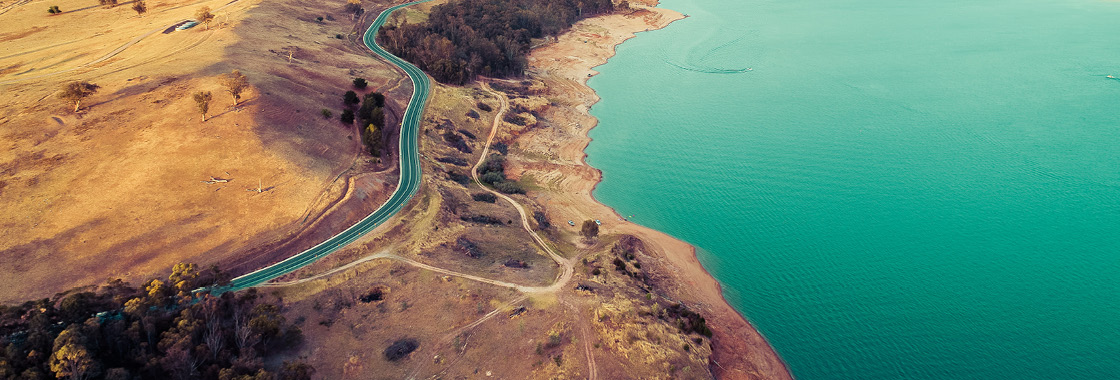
(494, 164)
(467, 247)
(54, 10)
(375, 295)
(347, 116)
(516, 119)
(512, 263)
(619, 265)
(401, 348)
(326, 113)
(319, 19)
(455, 141)
(140, 7)
(338, 36)
(485, 197)
(542, 220)
(492, 178)
(482, 219)
(689, 321)
(509, 187)
(452, 160)
(461, 178)
(360, 83)
(468, 134)
(484, 107)
(500, 147)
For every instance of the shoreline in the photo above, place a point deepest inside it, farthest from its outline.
(739, 350)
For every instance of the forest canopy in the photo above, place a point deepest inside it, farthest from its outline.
(467, 38)
(161, 330)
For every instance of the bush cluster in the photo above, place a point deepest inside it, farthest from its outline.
(485, 197)
(467, 247)
(542, 220)
(452, 160)
(455, 141)
(482, 219)
(493, 173)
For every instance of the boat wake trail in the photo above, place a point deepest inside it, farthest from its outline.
(709, 70)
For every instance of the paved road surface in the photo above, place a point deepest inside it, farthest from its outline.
(406, 187)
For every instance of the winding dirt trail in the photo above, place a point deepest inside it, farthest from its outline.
(567, 266)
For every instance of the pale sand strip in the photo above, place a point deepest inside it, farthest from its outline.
(740, 351)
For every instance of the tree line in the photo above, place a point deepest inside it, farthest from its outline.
(161, 330)
(467, 38)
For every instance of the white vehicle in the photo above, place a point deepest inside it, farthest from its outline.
(187, 25)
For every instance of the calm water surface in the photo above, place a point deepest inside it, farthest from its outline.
(896, 189)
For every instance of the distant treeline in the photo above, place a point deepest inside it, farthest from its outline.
(466, 38)
(162, 330)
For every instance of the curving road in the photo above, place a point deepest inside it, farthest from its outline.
(406, 187)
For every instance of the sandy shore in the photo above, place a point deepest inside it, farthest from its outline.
(740, 352)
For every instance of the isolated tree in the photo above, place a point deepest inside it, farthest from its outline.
(140, 7)
(204, 16)
(590, 229)
(235, 83)
(360, 83)
(74, 92)
(347, 116)
(202, 100)
(54, 10)
(108, 3)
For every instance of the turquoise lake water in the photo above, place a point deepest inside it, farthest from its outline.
(897, 190)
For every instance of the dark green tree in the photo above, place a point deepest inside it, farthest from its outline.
(350, 98)
(590, 229)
